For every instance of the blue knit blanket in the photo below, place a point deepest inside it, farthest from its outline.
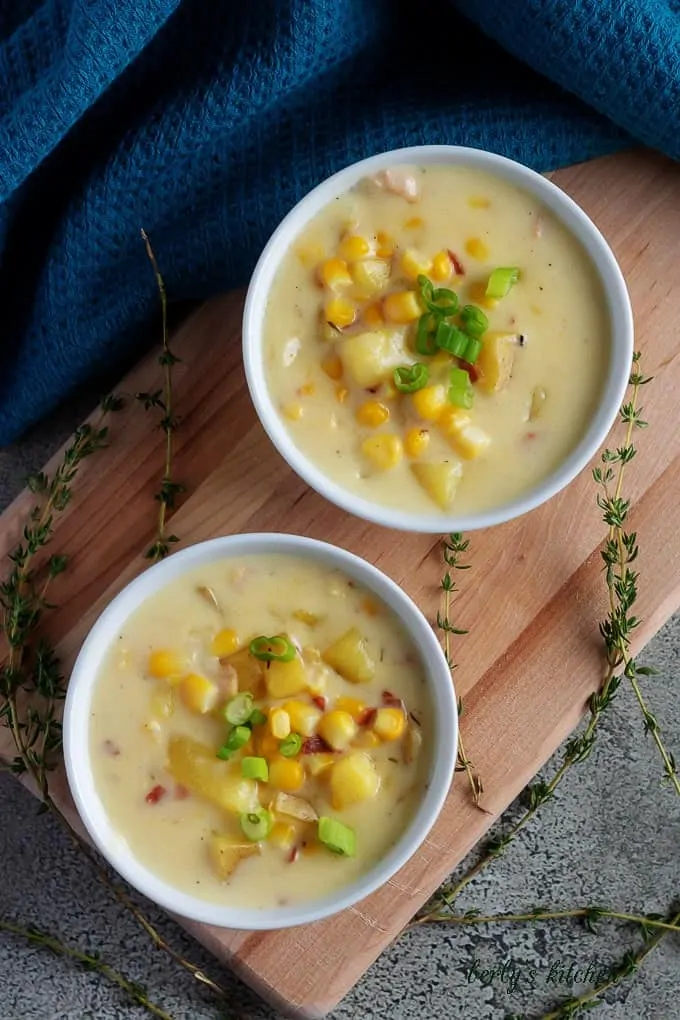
(205, 120)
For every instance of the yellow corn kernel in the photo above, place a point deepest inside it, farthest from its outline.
(340, 312)
(283, 835)
(338, 729)
(354, 247)
(162, 701)
(367, 739)
(390, 723)
(370, 607)
(334, 273)
(442, 267)
(429, 402)
(414, 223)
(403, 306)
(414, 263)
(477, 248)
(198, 693)
(286, 774)
(303, 717)
(294, 410)
(470, 441)
(479, 202)
(279, 723)
(305, 616)
(266, 746)
(385, 451)
(310, 254)
(372, 315)
(319, 764)
(166, 664)
(307, 390)
(355, 706)
(341, 394)
(332, 366)
(385, 249)
(416, 442)
(225, 642)
(452, 420)
(372, 414)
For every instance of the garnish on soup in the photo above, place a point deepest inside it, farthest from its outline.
(410, 379)
(305, 756)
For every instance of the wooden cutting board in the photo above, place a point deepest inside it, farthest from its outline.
(532, 599)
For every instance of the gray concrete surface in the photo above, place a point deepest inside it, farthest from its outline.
(612, 837)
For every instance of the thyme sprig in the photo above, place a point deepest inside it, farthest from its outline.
(453, 547)
(162, 399)
(619, 552)
(90, 961)
(626, 967)
(32, 670)
(589, 914)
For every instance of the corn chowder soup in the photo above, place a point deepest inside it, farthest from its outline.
(259, 732)
(436, 338)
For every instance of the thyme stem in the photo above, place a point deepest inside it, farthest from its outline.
(91, 961)
(590, 913)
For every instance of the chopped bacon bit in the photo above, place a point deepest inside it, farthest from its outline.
(530, 435)
(111, 748)
(457, 264)
(155, 794)
(471, 370)
(181, 792)
(320, 701)
(392, 700)
(367, 716)
(314, 745)
(293, 855)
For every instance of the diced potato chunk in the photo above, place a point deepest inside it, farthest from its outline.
(226, 854)
(248, 670)
(286, 679)
(470, 441)
(371, 277)
(349, 657)
(370, 358)
(194, 765)
(338, 729)
(283, 835)
(440, 480)
(353, 779)
(294, 807)
(495, 361)
(319, 763)
(303, 717)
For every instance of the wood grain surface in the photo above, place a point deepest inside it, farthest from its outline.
(532, 600)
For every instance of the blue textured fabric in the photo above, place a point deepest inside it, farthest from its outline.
(204, 121)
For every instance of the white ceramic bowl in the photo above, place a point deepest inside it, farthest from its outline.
(77, 726)
(616, 296)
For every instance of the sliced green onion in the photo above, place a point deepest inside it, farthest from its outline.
(257, 718)
(239, 709)
(290, 745)
(239, 736)
(427, 327)
(409, 378)
(474, 320)
(339, 838)
(460, 391)
(256, 825)
(473, 349)
(500, 282)
(441, 301)
(450, 338)
(272, 649)
(255, 768)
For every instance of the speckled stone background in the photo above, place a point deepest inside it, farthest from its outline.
(612, 837)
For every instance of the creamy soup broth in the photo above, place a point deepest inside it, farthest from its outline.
(556, 310)
(137, 718)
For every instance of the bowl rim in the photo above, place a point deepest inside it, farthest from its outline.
(76, 730)
(572, 217)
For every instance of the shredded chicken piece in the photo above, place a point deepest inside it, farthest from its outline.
(400, 180)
